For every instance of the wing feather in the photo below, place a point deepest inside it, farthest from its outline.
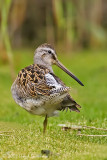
(32, 80)
(69, 102)
(37, 80)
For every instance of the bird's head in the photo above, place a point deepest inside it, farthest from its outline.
(46, 55)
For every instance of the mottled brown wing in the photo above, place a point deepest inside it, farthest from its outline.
(32, 80)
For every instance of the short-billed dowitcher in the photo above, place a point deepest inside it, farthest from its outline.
(39, 91)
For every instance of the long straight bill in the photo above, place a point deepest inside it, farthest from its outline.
(60, 65)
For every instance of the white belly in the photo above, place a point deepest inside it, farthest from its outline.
(40, 106)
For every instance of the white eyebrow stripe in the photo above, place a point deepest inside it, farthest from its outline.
(47, 49)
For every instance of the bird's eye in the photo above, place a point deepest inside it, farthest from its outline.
(49, 51)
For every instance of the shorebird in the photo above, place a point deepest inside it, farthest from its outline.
(39, 91)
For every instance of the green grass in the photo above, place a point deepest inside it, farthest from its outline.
(21, 135)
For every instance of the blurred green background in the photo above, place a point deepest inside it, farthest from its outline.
(78, 31)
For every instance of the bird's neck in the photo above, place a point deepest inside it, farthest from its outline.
(40, 62)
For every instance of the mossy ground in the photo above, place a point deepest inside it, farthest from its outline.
(21, 135)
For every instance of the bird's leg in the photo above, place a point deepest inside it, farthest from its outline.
(45, 124)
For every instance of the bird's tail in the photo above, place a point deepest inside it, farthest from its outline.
(69, 103)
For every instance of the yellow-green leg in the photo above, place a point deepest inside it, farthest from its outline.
(45, 124)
